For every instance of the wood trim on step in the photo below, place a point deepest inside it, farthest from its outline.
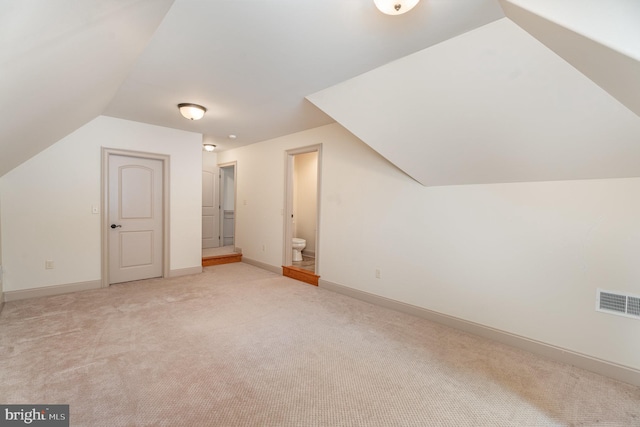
(300, 274)
(221, 259)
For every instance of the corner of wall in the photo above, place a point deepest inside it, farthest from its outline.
(1, 288)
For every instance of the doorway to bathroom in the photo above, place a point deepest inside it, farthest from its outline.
(302, 211)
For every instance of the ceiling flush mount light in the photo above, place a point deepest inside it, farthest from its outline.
(395, 7)
(209, 147)
(192, 111)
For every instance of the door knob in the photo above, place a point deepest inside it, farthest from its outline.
(115, 226)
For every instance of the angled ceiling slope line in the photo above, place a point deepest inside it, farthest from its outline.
(62, 62)
(251, 63)
(493, 105)
(610, 57)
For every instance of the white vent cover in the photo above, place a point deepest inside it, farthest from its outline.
(615, 302)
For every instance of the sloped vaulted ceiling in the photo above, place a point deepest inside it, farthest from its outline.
(497, 105)
(549, 92)
(250, 62)
(61, 62)
(601, 39)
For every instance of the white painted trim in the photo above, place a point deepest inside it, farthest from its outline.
(185, 271)
(51, 290)
(262, 265)
(599, 366)
(287, 256)
(104, 236)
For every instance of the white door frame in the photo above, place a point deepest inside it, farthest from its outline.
(104, 207)
(235, 201)
(287, 256)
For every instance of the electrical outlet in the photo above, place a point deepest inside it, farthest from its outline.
(95, 209)
(377, 273)
(264, 248)
(48, 264)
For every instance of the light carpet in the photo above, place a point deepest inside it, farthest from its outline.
(241, 346)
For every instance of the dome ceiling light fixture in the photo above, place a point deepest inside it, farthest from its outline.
(191, 111)
(395, 7)
(209, 147)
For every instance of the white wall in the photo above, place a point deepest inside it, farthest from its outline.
(46, 203)
(209, 160)
(1, 294)
(522, 258)
(305, 184)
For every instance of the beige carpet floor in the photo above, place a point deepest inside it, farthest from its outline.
(240, 346)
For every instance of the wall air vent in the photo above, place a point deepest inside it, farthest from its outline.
(615, 302)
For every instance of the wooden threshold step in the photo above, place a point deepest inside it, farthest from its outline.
(221, 259)
(300, 274)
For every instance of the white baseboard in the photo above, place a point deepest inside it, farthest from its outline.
(612, 370)
(51, 290)
(185, 271)
(76, 287)
(264, 266)
(96, 284)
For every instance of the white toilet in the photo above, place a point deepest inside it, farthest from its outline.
(298, 245)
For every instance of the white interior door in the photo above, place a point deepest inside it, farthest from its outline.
(210, 205)
(135, 218)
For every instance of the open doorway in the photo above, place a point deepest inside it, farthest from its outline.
(227, 205)
(218, 212)
(302, 207)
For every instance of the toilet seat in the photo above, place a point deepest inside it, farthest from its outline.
(297, 245)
